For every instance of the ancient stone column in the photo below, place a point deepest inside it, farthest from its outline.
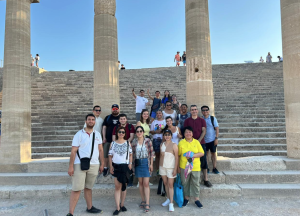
(106, 73)
(199, 86)
(16, 99)
(290, 21)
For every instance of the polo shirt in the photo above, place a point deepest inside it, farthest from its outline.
(185, 146)
(197, 125)
(140, 104)
(83, 141)
(210, 131)
(127, 132)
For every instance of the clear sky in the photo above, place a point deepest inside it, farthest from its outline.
(150, 32)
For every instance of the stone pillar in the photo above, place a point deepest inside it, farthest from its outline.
(106, 73)
(290, 21)
(199, 86)
(16, 99)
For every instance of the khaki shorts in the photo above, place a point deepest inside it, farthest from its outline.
(106, 149)
(166, 172)
(84, 179)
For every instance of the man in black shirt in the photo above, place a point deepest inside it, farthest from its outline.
(184, 58)
(109, 123)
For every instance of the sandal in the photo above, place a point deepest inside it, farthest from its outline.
(146, 210)
(143, 205)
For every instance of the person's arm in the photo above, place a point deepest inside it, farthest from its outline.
(110, 164)
(202, 134)
(148, 92)
(114, 134)
(130, 157)
(179, 133)
(134, 95)
(138, 124)
(175, 149)
(217, 135)
(198, 155)
(101, 155)
(179, 155)
(104, 133)
(72, 159)
(131, 137)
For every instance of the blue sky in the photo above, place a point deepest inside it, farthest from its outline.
(150, 32)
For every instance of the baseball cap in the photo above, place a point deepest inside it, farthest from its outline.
(115, 105)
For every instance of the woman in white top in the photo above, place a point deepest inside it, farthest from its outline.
(176, 132)
(168, 167)
(168, 111)
(120, 160)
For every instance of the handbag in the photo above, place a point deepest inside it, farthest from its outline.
(85, 162)
(161, 188)
(178, 192)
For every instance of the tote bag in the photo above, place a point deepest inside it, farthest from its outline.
(178, 192)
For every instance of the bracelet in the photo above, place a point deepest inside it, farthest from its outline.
(130, 163)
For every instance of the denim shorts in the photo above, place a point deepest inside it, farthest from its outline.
(156, 144)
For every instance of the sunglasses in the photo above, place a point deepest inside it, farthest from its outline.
(169, 105)
(205, 110)
(121, 132)
(194, 109)
(167, 134)
(97, 110)
(115, 108)
(139, 131)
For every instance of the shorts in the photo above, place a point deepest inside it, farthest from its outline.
(184, 62)
(153, 114)
(211, 147)
(106, 149)
(166, 172)
(84, 179)
(178, 63)
(137, 117)
(156, 144)
(203, 158)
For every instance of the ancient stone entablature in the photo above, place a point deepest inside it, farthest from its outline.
(105, 7)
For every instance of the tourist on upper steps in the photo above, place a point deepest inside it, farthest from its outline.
(168, 111)
(37, 59)
(155, 105)
(157, 127)
(119, 65)
(175, 104)
(261, 60)
(211, 136)
(87, 143)
(122, 67)
(142, 155)
(167, 97)
(269, 58)
(184, 58)
(189, 152)
(184, 114)
(141, 103)
(145, 122)
(109, 124)
(177, 59)
(176, 133)
(99, 120)
(280, 59)
(120, 161)
(32, 60)
(199, 129)
(168, 165)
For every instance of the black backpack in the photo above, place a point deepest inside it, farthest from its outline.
(212, 121)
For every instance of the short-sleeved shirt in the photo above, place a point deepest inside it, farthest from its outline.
(181, 118)
(127, 131)
(119, 152)
(185, 146)
(197, 125)
(165, 100)
(156, 125)
(173, 115)
(184, 57)
(210, 131)
(83, 141)
(140, 104)
(98, 124)
(110, 122)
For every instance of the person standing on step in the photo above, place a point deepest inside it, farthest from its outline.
(190, 150)
(269, 58)
(176, 104)
(87, 143)
(141, 103)
(168, 167)
(199, 129)
(182, 117)
(109, 124)
(211, 136)
(32, 60)
(37, 59)
(120, 161)
(168, 111)
(157, 127)
(176, 133)
(145, 122)
(261, 60)
(99, 120)
(177, 59)
(142, 155)
(167, 97)
(184, 58)
(155, 105)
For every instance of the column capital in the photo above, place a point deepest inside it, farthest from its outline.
(35, 1)
(105, 7)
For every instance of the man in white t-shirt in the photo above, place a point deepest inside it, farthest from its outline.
(99, 120)
(85, 179)
(141, 103)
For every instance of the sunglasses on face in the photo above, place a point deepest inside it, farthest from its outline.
(139, 131)
(115, 108)
(121, 132)
(205, 110)
(167, 134)
(169, 105)
(193, 109)
(97, 110)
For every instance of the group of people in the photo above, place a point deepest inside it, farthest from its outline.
(36, 59)
(269, 58)
(179, 59)
(170, 138)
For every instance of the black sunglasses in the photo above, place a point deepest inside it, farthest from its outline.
(139, 131)
(121, 132)
(97, 110)
(205, 110)
(169, 105)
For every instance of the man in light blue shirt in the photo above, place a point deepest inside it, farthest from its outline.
(211, 136)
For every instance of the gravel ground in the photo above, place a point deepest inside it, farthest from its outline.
(212, 207)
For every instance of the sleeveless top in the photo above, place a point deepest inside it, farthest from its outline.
(146, 129)
(175, 138)
(168, 159)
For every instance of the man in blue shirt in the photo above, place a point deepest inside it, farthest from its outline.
(211, 136)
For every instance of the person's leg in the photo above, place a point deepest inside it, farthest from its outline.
(137, 116)
(88, 197)
(204, 163)
(214, 159)
(73, 200)
(146, 190)
(118, 187)
(91, 176)
(165, 180)
(186, 184)
(141, 189)
(157, 156)
(195, 184)
(105, 150)
(123, 196)
(78, 182)
(171, 189)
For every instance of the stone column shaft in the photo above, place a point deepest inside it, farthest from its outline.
(199, 87)
(106, 73)
(16, 101)
(290, 21)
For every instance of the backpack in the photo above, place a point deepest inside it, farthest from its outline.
(129, 127)
(212, 121)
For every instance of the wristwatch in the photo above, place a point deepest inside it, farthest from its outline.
(130, 163)
(216, 137)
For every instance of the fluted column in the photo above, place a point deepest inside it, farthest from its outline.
(290, 21)
(199, 86)
(16, 99)
(106, 73)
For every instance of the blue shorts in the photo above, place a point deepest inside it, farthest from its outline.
(156, 144)
(153, 114)
(184, 62)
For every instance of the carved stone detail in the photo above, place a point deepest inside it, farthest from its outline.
(105, 7)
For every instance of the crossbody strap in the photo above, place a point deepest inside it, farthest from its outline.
(92, 147)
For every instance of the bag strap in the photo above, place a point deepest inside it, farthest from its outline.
(127, 150)
(92, 147)
(212, 119)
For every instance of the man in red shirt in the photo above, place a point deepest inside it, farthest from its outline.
(129, 129)
(199, 126)
(178, 59)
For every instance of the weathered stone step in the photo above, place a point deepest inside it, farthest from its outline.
(251, 129)
(49, 155)
(251, 124)
(238, 154)
(252, 147)
(51, 143)
(52, 137)
(279, 140)
(236, 119)
(54, 132)
(54, 128)
(51, 149)
(252, 134)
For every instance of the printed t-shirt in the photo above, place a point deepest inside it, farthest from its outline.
(110, 124)
(156, 125)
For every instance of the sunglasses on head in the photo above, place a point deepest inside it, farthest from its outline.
(115, 108)
(121, 132)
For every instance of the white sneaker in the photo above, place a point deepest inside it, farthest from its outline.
(166, 203)
(171, 207)
(150, 184)
(138, 184)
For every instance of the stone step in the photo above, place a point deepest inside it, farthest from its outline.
(251, 124)
(49, 155)
(238, 120)
(54, 132)
(253, 134)
(54, 128)
(251, 129)
(52, 137)
(238, 154)
(51, 143)
(279, 140)
(51, 149)
(250, 147)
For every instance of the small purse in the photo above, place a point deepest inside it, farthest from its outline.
(85, 162)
